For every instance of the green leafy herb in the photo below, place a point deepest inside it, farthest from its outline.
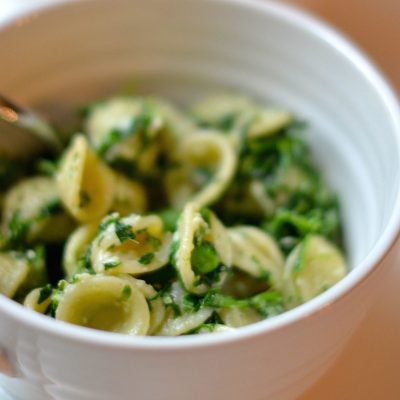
(191, 303)
(267, 303)
(17, 230)
(55, 300)
(111, 264)
(204, 258)
(124, 232)
(206, 214)
(107, 221)
(45, 293)
(139, 123)
(169, 302)
(264, 274)
(172, 252)
(84, 262)
(53, 207)
(146, 258)
(170, 218)
(46, 167)
(154, 242)
(126, 293)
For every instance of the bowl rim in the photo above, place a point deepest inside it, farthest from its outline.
(311, 309)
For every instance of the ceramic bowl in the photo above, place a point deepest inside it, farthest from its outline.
(69, 53)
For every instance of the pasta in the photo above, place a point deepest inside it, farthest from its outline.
(158, 221)
(311, 268)
(207, 165)
(105, 302)
(85, 184)
(34, 205)
(132, 245)
(13, 273)
(76, 246)
(257, 254)
(202, 248)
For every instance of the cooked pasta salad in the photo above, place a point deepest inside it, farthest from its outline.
(159, 221)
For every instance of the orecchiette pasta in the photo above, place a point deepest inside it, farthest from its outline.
(105, 302)
(157, 221)
(75, 247)
(35, 302)
(236, 317)
(185, 323)
(207, 165)
(85, 184)
(256, 253)
(179, 321)
(233, 110)
(33, 205)
(105, 116)
(202, 248)
(311, 268)
(88, 188)
(132, 245)
(156, 305)
(126, 128)
(221, 107)
(14, 271)
(129, 196)
(21, 271)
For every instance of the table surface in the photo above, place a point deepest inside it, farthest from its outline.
(368, 368)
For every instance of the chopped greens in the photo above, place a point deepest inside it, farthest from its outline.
(268, 303)
(111, 264)
(18, 227)
(139, 124)
(124, 232)
(126, 293)
(170, 218)
(45, 293)
(187, 221)
(16, 232)
(146, 258)
(53, 207)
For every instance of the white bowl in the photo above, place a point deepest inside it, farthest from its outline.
(68, 54)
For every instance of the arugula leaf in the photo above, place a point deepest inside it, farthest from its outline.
(268, 303)
(17, 231)
(55, 299)
(45, 293)
(54, 206)
(111, 264)
(107, 221)
(146, 258)
(169, 301)
(84, 262)
(124, 232)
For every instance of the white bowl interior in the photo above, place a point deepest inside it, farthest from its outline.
(182, 49)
